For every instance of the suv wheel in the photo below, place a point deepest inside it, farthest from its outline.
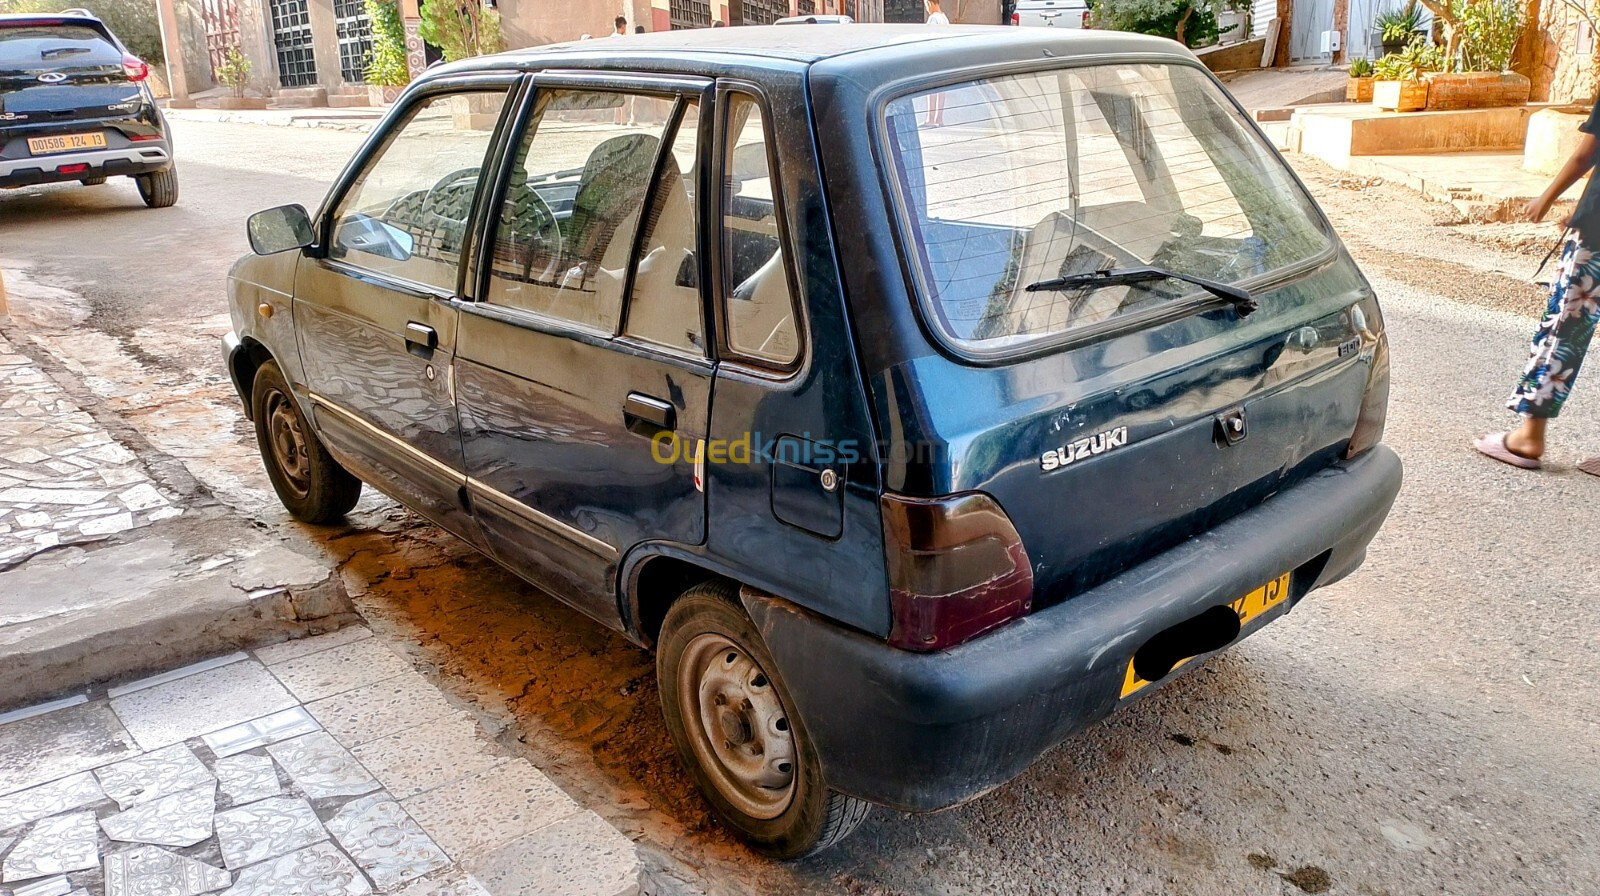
(158, 189)
(93, 181)
(727, 712)
(309, 482)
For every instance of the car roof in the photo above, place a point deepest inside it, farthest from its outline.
(63, 18)
(707, 49)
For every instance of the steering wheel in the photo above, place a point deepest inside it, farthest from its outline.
(527, 221)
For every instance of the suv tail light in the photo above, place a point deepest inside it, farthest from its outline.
(1086, 19)
(135, 68)
(956, 567)
(1375, 401)
(1016, 18)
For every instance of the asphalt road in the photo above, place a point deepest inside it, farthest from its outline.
(1431, 725)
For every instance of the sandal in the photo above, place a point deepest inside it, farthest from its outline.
(1494, 445)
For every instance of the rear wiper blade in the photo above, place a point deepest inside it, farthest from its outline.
(1233, 295)
(53, 52)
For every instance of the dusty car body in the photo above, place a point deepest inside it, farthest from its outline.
(910, 449)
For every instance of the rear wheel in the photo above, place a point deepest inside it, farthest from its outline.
(309, 482)
(158, 189)
(732, 721)
(93, 181)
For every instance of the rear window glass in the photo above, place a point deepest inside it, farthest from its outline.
(28, 47)
(1013, 180)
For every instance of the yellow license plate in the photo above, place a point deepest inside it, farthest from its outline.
(1249, 608)
(41, 146)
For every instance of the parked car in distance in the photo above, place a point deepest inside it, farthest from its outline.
(75, 106)
(814, 20)
(1051, 13)
(1016, 418)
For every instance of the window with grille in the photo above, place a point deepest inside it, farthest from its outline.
(907, 11)
(291, 38)
(805, 7)
(763, 12)
(355, 38)
(690, 14)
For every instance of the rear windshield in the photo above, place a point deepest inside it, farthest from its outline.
(1008, 181)
(32, 47)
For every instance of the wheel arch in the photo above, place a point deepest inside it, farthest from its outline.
(243, 365)
(653, 578)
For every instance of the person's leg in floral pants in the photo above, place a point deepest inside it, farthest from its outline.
(1563, 337)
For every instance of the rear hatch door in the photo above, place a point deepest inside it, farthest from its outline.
(60, 70)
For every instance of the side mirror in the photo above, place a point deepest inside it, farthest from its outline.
(280, 229)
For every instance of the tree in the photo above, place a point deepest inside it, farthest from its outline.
(461, 29)
(1188, 22)
(386, 67)
(133, 22)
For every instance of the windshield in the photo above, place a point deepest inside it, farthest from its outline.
(1009, 181)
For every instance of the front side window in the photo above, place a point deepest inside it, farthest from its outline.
(760, 308)
(573, 205)
(1054, 174)
(407, 214)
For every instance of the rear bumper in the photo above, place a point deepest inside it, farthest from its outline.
(920, 732)
(141, 158)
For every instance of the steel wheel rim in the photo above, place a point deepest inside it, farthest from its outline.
(288, 443)
(737, 726)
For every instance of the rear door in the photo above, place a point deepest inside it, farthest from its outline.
(376, 314)
(582, 371)
(1113, 420)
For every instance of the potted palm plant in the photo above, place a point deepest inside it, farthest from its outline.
(1394, 28)
(1359, 90)
(1400, 85)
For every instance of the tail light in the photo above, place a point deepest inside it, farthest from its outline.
(956, 567)
(1016, 18)
(1085, 22)
(135, 68)
(1375, 402)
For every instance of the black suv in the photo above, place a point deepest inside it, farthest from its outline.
(74, 106)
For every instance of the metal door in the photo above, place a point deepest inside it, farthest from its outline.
(355, 39)
(291, 38)
(1311, 18)
(221, 21)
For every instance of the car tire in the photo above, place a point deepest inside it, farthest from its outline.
(309, 482)
(93, 181)
(710, 655)
(158, 189)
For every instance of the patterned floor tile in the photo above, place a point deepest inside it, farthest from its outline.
(455, 883)
(377, 710)
(481, 813)
(153, 775)
(289, 650)
(319, 870)
(385, 842)
(321, 768)
(246, 778)
(48, 799)
(200, 704)
(54, 886)
(182, 819)
(54, 846)
(43, 748)
(263, 830)
(278, 726)
(151, 871)
(429, 755)
(340, 669)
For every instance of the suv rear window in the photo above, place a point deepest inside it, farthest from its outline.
(29, 47)
(1029, 177)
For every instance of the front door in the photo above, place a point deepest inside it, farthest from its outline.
(582, 373)
(376, 315)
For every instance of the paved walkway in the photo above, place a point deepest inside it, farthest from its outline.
(323, 766)
(63, 479)
(350, 118)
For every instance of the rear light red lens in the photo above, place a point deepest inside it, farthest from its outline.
(1374, 404)
(143, 138)
(957, 568)
(72, 169)
(1086, 19)
(1016, 18)
(135, 68)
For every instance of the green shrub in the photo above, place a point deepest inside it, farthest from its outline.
(234, 72)
(1361, 68)
(461, 29)
(1487, 31)
(134, 22)
(1396, 25)
(386, 67)
(1418, 58)
(1189, 22)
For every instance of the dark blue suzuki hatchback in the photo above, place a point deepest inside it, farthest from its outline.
(919, 395)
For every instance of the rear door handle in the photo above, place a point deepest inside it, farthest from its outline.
(421, 339)
(647, 415)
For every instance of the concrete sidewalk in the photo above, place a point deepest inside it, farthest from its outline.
(322, 766)
(349, 118)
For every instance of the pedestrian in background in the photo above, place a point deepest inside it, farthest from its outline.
(935, 117)
(1569, 320)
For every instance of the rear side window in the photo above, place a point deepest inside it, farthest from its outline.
(42, 47)
(1059, 173)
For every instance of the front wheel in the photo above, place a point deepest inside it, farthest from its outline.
(732, 721)
(158, 189)
(309, 482)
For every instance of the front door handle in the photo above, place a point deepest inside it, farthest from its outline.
(647, 415)
(421, 339)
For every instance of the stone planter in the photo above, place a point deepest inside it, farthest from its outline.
(241, 102)
(382, 95)
(1476, 90)
(1232, 26)
(1401, 96)
(1359, 90)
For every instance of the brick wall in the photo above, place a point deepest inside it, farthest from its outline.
(1547, 53)
(1477, 90)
